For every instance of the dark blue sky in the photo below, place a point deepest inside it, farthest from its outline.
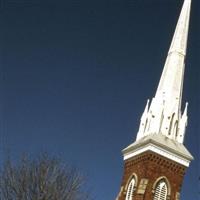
(75, 77)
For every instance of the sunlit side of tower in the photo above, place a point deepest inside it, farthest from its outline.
(155, 164)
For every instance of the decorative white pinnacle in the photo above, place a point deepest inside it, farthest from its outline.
(164, 116)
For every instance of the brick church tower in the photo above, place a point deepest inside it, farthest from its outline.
(155, 164)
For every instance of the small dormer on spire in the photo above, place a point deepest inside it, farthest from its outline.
(143, 121)
(183, 125)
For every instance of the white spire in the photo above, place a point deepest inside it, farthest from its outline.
(164, 114)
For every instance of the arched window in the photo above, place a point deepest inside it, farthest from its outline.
(176, 128)
(161, 191)
(145, 125)
(161, 121)
(130, 190)
(171, 124)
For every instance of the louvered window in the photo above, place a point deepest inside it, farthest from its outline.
(161, 191)
(130, 190)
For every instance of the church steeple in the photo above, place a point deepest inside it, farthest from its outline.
(164, 114)
(155, 164)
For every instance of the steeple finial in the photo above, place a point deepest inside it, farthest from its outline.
(164, 114)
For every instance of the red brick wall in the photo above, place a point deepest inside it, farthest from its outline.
(151, 166)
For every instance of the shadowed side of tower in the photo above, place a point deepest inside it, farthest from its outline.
(155, 164)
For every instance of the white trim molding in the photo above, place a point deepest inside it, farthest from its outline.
(158, 150)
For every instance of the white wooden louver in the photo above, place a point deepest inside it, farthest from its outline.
(130, 190)
(161, 191)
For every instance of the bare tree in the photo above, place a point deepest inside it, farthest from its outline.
(44, 178)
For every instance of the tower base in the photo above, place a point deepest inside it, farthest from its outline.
(148, 169)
